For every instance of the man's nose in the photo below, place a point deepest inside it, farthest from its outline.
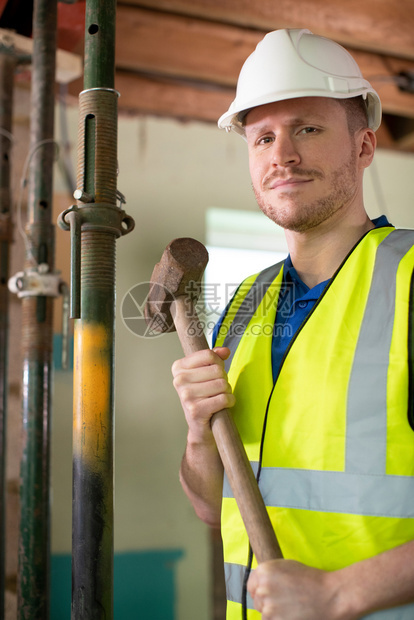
(284, 151)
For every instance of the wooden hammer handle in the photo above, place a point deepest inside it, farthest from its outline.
(236, 464)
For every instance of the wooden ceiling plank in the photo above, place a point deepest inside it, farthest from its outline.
(381, 72)
(151, 41)
(375, 25)
(145, 95)
(186, 48)
(148, 96)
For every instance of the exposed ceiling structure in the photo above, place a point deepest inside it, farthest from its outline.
(181, 58)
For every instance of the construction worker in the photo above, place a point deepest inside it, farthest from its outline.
(324, 399)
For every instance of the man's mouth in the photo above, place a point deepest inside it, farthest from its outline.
(289, 183)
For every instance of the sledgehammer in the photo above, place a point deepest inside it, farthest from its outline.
(175, 285)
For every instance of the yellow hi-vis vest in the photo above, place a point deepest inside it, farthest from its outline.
(330, 441)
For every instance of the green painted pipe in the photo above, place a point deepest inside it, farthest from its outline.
(7, 68)
(99, 67)
(33, 583)
(95, 223)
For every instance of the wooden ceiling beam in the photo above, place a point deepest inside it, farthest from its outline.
(163, 97)
(152, 42)
(373, 25)
(156, 42)
(184, 101)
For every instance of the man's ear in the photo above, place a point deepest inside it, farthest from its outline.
(366, 142)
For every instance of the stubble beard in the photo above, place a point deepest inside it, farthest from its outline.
(293, 214)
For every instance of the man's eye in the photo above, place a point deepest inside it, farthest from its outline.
(309, 130)
(265, 140)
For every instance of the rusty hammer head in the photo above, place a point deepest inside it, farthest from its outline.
(178, 273)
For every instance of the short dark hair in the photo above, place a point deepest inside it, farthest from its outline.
(356, 113)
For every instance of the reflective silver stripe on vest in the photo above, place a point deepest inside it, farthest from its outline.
(234, 577)
(234, 574)
(332, 491)
(227, 492)
(366, 434)
(248, 308)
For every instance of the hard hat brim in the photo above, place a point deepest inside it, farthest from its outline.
(233, 118)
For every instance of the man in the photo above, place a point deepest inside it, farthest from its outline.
(324, 405)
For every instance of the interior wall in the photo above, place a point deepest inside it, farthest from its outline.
(170, 173)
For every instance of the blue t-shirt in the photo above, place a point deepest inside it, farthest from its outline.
(295, 302)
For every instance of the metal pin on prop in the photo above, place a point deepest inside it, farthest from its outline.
(169, 307)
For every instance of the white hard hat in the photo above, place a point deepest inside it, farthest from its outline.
(297, 63)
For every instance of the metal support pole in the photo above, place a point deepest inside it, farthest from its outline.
(37, 329)
(7, 67)
(95, 223)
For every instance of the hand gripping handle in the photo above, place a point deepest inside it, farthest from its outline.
(236, 464)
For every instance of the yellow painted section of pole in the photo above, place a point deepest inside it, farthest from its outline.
(92, 564)
(92, 392)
